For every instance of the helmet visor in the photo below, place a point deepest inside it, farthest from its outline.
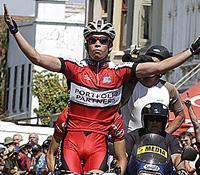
(155, 118)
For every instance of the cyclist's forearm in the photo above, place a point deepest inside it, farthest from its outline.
(120, 155)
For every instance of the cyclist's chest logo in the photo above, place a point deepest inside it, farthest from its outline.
(107, 79)
(87, 77)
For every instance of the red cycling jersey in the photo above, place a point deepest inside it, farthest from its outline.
(116, 130)
(95, 93)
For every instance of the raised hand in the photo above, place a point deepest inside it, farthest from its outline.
(187, 101)
(195, 46)
(10, 21)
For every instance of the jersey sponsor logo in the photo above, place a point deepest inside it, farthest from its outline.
(87, 77)
(93, 97)
(152, 149)
(107, 79)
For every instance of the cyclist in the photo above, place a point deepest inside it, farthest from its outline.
(116, 131)
(95, 91)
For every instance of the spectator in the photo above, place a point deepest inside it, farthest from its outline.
(40, 166)
(187, 139)
(194, 120)
(23, 160)
(33, 139)
(8, 143)
(17, 138)
(2, 162)
(11, 165)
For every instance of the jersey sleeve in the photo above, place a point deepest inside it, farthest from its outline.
(68, 66)
(117, 129)
(61, 123)
(127, 71)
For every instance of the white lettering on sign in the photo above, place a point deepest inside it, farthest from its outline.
(93, 97)
(194, 100)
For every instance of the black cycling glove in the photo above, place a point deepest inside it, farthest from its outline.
(12, 25)
(195, 46)
(9, 21)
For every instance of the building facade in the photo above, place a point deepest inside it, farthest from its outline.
(142, 23)
(19, 74)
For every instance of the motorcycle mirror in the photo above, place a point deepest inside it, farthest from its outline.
(189, 154)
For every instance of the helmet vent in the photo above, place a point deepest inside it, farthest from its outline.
(99, 23)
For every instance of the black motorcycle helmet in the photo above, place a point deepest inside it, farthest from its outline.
(159, 52)
(157, 111)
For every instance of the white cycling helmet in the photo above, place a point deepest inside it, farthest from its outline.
(99, 27)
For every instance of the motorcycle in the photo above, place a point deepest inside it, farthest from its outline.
(151, 156)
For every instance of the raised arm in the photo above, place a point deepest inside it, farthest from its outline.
(193, 118)
(152, 68)
(46, 61)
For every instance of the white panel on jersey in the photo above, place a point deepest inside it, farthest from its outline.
(95, 98)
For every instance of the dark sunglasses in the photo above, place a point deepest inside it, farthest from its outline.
(102, 39)
(155, 119)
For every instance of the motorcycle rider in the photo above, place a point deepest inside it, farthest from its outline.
(154, 119)
(96, 86)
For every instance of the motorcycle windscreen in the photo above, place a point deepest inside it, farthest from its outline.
(152, 148)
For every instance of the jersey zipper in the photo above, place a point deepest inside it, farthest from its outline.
(98, 83)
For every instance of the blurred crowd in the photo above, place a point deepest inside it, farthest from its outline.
(29, 158)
